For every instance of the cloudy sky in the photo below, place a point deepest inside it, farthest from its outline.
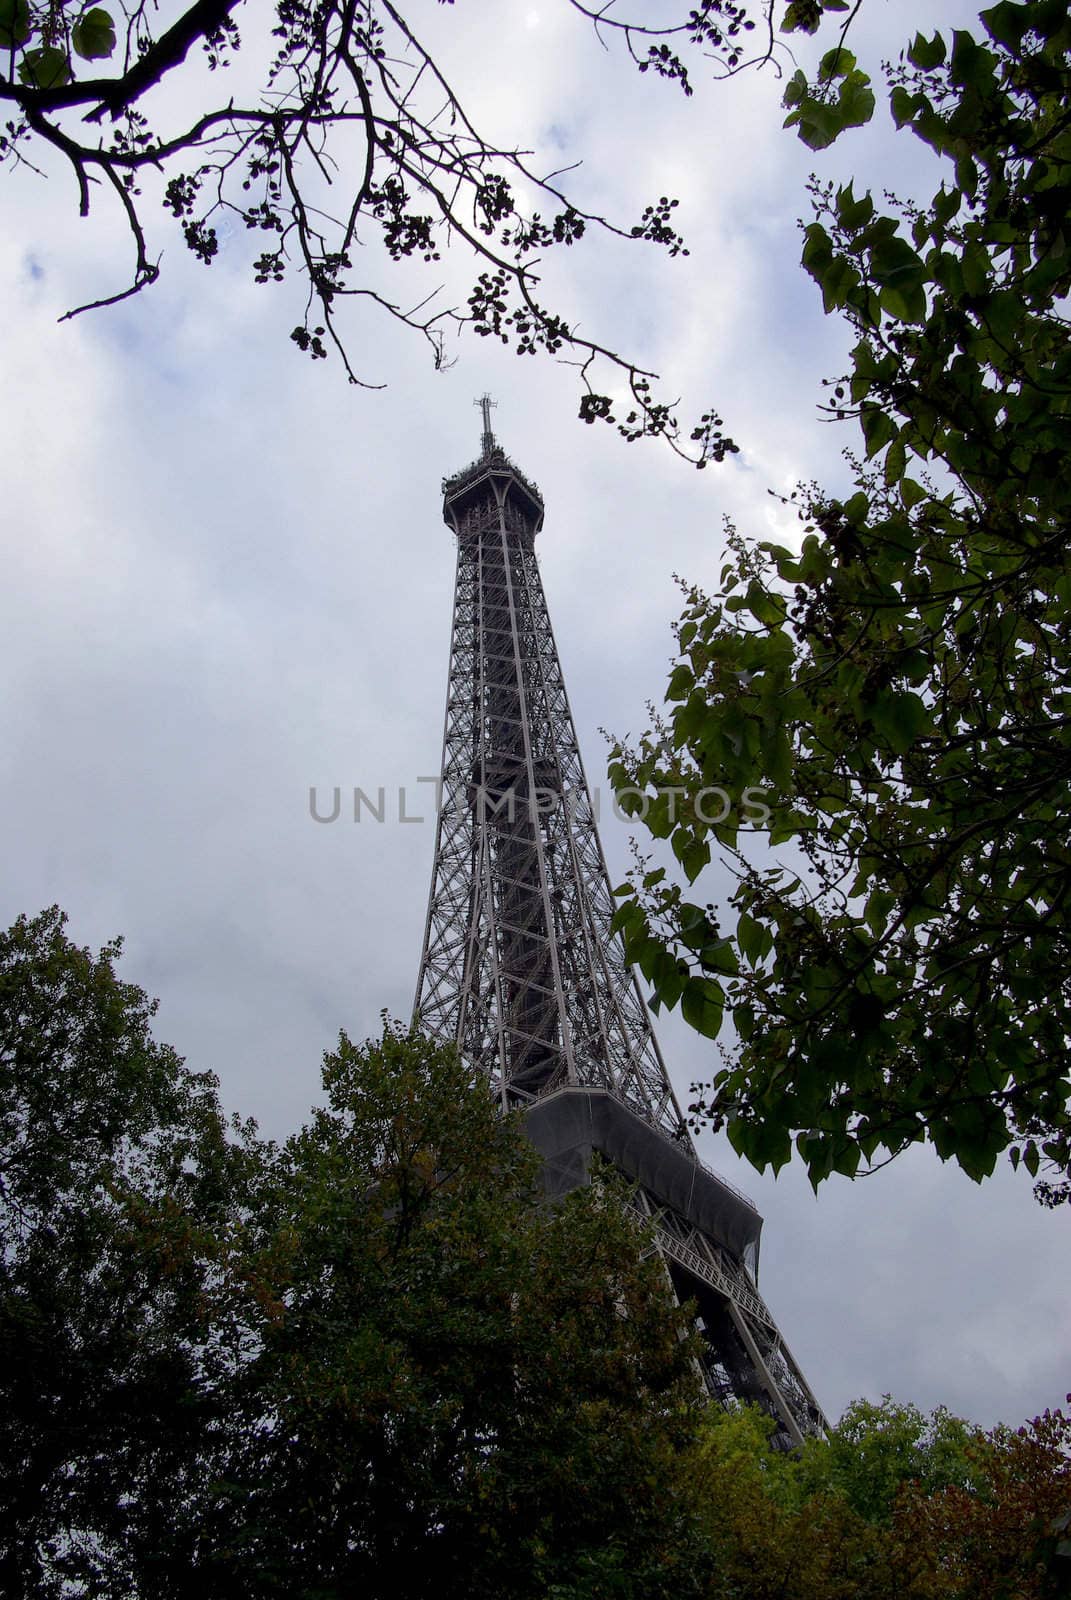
(225, 580)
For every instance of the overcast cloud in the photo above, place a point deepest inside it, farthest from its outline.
(225, 579)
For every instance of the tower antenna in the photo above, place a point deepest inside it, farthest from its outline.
(488, 442)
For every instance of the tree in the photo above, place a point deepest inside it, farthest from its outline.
(375, 1360)
(877, 1450)
(353, 135)
(1007, 1533)
(769, 1538)
(121, 1187)
(368, 1361)
(896, 690)
(893, 1503)
(461, 1385)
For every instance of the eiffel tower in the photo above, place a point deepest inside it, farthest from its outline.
(520, 967)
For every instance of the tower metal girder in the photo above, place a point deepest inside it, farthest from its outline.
(520, 966)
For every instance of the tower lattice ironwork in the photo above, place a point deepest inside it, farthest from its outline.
(520, 967)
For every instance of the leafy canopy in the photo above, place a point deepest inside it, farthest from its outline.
(897, 688)
(122, 1191)
(375, 1361)
(894, 1505)
(465, 1385)
(368, 1361)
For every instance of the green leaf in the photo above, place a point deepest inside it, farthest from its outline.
(926, 53)
(853, 214)
(802, 16)
(906, 302)
(669, 980)
(903, 105)
(754, 939)
(45, 68)
(720, 957)
(977, 1161)
(946, 203)
(1006, 23)
(900, 276)
(795, 89)
(878, 428)
(693, 854)
(703, 1005)
(836, 63)
(689, 918)
(657, 820)
(766, 607)
(817, 250)
(93, 35)
(975, 264)
(777, 758)
(651, 956)
(972, 65)
(967, 176)
(895, 463)
(847, 1158)
(856, 104)
(898, 718)
(879, 904)
(819, 119)
(627, 916)
(682, 680)
(785, 824)
(15, 24)
(839, 281)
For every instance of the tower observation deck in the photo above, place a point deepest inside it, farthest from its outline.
(520, 967)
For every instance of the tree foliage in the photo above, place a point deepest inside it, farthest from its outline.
(376, 1361)
(121, 1189)
(371, 1361)
(769, 1539)
(894, 1505)
(898, 686)
(878, 1450)
(1006, 1532)
(466, 1389)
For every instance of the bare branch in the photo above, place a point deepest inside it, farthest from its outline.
(427, 175)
